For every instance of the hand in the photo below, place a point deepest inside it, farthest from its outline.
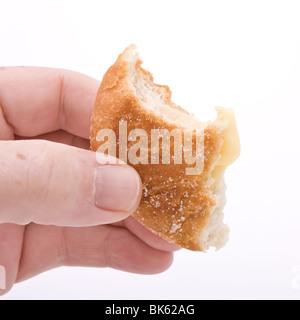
(58, 206)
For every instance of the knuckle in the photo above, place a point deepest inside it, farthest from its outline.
(40, 173)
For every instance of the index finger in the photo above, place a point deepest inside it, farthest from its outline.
(36, 100)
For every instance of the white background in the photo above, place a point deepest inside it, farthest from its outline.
(240, 54)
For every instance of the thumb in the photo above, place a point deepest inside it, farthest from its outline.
(55, 184)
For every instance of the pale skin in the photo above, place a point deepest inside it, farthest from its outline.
(53, 211)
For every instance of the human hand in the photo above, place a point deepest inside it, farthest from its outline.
(58, 206)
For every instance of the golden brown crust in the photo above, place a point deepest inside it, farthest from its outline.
(174, 205)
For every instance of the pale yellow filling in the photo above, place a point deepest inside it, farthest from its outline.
(231, 148)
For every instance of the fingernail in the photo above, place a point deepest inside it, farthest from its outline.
(117, 188)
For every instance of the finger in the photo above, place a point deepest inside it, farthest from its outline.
(61, 136)
(48, 247)
(148, 237)
(50, 183)
(11, 239)
(40, 100)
